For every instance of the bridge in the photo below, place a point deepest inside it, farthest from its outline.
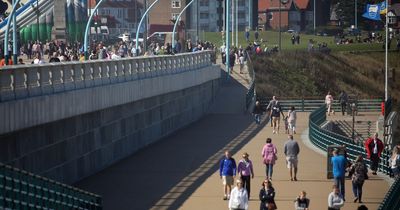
(148, 133)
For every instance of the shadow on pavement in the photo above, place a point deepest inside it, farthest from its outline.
(165, 174)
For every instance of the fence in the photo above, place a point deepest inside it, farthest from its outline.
(323, 138)
(251, 93)
(309, 105)
(23, 81)
(391, 200)
(23, 190)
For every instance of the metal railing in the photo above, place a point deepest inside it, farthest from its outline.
(388, 107)
(322, 138)
(251, 92)
(309, 105)
(391, 200)
(23, 190)
(23, 81)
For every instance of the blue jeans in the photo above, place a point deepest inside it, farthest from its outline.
(339, 182)
(269, 168)
(257, 118)
(357, 190)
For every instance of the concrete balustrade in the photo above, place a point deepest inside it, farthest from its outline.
(21, 81)
(67, 121)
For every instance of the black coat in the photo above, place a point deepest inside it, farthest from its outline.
(266, 196)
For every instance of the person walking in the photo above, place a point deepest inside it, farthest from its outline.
(302, 202)
(271, 103)
(267, 196)
(374, 147)
(358, 173)
(246, 172)
(276, 116)
(292, 117)
(395, 162)
(335, 199)
(257, 111)
(328, 102)
(339, 168)
(227, 171)
(343, 99)
(269, 154)
(241, 62)
(239, 197)
(291, 150)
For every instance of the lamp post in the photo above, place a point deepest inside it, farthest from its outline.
(353, 112)
(280, 17)
(140, 24)
(6, 55)
(15, 56)
(85, 42)
(355, 14)
(250, 14)
(237, 22)
(315, 24)
(37, 19)
(227, 40)
(386, 51)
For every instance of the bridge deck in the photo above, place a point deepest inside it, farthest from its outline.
(181, 171)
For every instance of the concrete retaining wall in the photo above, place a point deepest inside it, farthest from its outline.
(71, 133)
(70, 149)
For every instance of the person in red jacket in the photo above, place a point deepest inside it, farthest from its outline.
(374, 148)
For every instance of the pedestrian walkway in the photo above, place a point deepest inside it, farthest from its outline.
(181, 171)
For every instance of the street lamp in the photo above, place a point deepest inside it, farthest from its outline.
(280, 17)
(6, 55)
(353, 112)
(36, 9)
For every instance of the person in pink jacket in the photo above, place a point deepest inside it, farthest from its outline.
(269, 154)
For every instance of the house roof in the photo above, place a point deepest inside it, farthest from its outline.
(301, 4)
(274, 4)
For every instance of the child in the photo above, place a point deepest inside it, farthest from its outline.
(286, 124)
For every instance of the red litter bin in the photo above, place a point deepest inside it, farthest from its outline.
(383, 108)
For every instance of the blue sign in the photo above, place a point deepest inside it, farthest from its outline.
(372, 12)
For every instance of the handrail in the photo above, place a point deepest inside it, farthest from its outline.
(251, 92)
(322, 138)
(391, 200)
(23, 81)
(308, 105)
(21, 189)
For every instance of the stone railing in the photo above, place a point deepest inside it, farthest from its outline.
(22, 81)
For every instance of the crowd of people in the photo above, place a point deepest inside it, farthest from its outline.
(240, 194)
(342, 168)
(37, 52)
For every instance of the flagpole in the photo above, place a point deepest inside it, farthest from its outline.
(386, 51)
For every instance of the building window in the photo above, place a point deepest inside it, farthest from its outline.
(174, 16)
(204, 3)
(176, 3)
(204, 15)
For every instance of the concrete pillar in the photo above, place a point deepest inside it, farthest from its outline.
(59, 29)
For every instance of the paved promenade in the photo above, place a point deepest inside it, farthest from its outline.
(181, 171)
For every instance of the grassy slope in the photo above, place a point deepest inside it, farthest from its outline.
(271, 38)
(298, 73)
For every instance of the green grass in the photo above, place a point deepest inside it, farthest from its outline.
(271, 38)
(303, 74)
